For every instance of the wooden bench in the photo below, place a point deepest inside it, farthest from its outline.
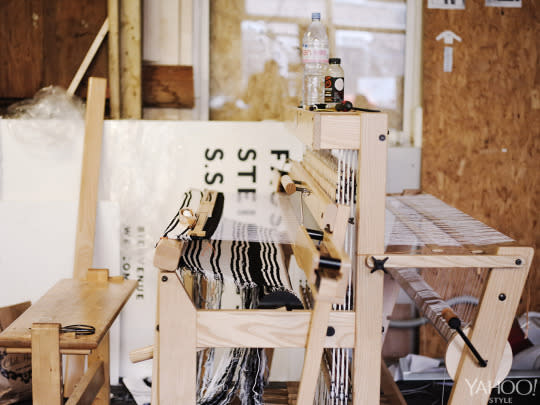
(96, 302)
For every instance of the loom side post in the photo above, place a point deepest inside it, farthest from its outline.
(315, 340)
(370, 218)
(490, 332)
(155, 349)
(177, 342)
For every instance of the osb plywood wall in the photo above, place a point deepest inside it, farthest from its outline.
(481, 139)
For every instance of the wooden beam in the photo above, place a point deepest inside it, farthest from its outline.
(46, 364)
(167, 86)
(114, 58)
(370, 219)
(264, 328)
(260, 328)
(86, 221)
(88, 57)
(448, 261)
(177, 362)
(130, 59)
(102, 356)
(318, 326)
(389, 389)
(86, 390)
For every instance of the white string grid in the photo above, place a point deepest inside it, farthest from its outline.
(423, 219)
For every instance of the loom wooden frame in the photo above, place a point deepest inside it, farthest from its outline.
(175, 364)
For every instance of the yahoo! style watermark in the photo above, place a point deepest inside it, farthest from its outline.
(505, 392)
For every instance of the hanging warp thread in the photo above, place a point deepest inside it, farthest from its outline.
(335, 172)
(424, 221)
(250, 257)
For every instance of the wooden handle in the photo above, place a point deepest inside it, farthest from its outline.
(448, 313)
(167, 254)
(288, 184)
(144, 353)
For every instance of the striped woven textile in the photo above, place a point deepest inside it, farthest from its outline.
(250, 257)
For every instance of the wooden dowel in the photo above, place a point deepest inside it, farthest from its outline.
(144, 353)
(26, 350)
(288, 184)
(88, 57)
(448, 261)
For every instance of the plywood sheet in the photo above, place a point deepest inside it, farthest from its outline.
(167, 86)
(481, 139)
(21, 47)
(43, 42)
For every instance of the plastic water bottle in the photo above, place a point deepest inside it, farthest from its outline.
(315, 60)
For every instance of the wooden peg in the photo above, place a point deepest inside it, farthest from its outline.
(288, 184)
(98, 275)
(144, 353)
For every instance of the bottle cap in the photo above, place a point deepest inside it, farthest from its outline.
(315, 16)
(334, 61)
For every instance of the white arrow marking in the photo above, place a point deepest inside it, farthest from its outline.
(448, 37)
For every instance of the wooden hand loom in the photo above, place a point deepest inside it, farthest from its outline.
(363, 328)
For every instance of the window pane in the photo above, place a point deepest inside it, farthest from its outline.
(374, 64)
(255, 64)
(370, 14)
(285, 8)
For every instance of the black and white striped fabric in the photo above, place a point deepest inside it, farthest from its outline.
(250, 256)
(247, 264)
(247, 256)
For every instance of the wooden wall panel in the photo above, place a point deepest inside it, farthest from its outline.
(481, 139)
(43, 42)
(69, 29)
(21, 33)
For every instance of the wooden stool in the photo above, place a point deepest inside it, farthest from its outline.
(96, 302)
